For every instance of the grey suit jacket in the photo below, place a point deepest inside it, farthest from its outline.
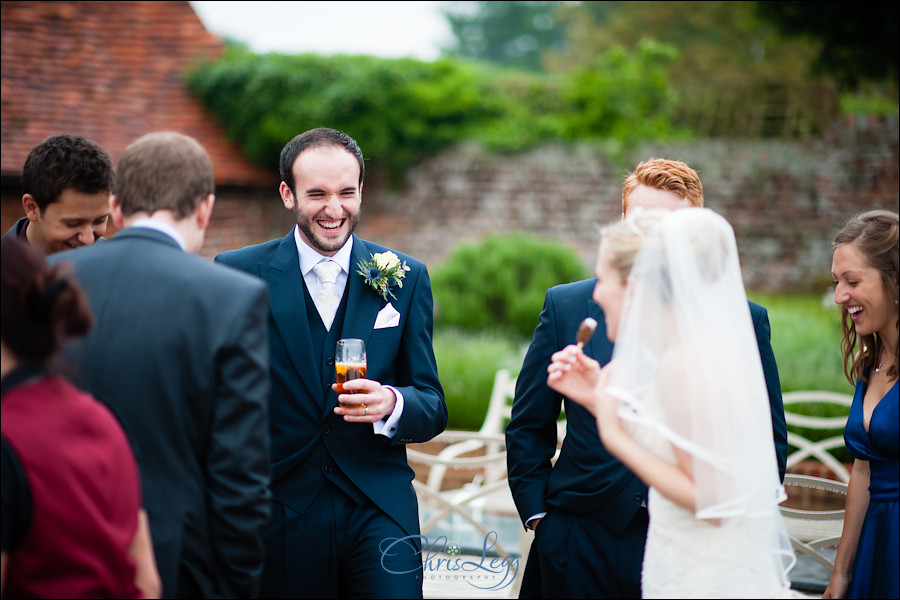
(179, 351)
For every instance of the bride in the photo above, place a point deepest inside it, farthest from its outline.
(683, 404)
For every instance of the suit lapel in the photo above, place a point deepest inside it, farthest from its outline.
(288, 306)
(599, 343)
(363, 303)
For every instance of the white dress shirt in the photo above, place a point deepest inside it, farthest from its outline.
(151, 223)
(309, 258)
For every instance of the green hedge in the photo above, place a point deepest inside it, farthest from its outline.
(499, 284)
(403, 110)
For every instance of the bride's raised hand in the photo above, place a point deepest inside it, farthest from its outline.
(574, 374)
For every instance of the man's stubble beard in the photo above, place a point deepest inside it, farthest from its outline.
(306, 227)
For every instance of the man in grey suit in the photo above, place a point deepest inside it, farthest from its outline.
(180, 353)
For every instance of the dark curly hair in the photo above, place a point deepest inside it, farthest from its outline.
(66, 161)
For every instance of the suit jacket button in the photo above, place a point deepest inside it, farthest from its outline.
(637, 497)
(326, 429)
(330, 362)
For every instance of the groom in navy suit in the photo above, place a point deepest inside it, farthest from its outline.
(588, 510)
(345, 517)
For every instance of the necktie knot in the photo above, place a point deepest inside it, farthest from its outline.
(327, 300)
(327, 271)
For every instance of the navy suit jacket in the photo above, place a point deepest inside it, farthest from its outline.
(16, 229)
(302, 421)
(179, 353)
(587, 479)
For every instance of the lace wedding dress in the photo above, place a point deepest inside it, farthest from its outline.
(690, 558)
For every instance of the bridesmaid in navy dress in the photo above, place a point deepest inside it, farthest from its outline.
(865, 270)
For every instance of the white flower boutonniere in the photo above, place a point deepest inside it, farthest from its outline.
(382, 272)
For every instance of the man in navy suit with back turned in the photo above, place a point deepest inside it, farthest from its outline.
(341, 482)
(179, 353)
(588, 510)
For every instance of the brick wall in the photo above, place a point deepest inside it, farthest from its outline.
(786, 200)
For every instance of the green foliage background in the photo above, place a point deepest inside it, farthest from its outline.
(488, 296)
(806, 337)
(398, 109)
(403, 110)
(612, 73)
(499, 284)
(467, 362)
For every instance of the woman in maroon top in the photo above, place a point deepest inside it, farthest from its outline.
(72, 524)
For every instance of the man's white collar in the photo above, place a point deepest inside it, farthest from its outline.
(310, 257)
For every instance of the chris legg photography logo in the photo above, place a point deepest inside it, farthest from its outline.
(443, 561)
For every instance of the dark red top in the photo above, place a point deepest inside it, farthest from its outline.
(85, 490)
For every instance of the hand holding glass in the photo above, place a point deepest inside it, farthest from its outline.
(349, 363)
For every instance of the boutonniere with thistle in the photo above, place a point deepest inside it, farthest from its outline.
(383, 271)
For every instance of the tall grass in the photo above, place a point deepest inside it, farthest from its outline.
(467, 363)
(806, 337)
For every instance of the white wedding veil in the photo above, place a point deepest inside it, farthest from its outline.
(686, 365)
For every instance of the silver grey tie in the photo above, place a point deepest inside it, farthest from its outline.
(327, 300)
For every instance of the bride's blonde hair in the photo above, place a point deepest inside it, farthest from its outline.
(621, 240)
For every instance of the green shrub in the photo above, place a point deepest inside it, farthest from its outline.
(467, 363)
(499, 284)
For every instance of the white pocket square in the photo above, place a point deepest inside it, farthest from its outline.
(387, 317)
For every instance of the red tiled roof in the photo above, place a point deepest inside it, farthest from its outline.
(111, 71)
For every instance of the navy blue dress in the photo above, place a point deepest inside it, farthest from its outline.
(875, 573)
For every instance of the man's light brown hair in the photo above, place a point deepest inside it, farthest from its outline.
(164, 171)
(670, 175)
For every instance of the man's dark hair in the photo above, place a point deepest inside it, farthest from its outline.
(317, 138)
(66, 161)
